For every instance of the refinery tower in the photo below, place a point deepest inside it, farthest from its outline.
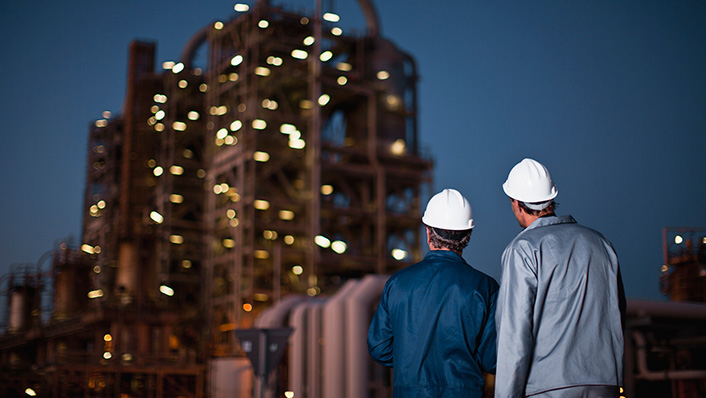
(289, 165)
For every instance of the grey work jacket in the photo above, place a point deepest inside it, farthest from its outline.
(559, 313)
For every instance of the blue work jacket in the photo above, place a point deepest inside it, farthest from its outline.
(435, 326)
(559, 310)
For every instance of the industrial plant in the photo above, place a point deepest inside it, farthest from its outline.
(271, 191)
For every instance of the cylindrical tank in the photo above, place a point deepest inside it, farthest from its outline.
(21, 304)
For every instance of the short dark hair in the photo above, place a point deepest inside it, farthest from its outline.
(453, 240)
(548, 209)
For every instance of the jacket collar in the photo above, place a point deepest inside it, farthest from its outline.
(550, 220)
(443, 254)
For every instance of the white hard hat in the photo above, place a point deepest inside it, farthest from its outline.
(529, 181)
(448, 209)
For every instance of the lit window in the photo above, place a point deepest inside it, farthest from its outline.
(299, 54)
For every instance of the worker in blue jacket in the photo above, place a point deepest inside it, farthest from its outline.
(435, 323)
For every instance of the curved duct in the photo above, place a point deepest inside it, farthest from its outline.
(371, 16)
(189, 52)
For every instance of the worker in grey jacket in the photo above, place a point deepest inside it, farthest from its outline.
(561, 299)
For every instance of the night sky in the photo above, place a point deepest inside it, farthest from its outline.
(610, 96)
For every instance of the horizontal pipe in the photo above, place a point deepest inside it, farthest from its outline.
(645, 373)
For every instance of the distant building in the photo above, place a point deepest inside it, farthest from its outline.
(290, 164)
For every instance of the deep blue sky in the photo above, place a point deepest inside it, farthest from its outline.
(611, 96)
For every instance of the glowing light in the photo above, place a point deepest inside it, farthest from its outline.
(678, 239)
(306, 104)
(247, 307)
(176, 239)
(339, 246)
(230, 140)
(229, 243)
(166, 290)
(383, 75)
(95, 294)
(322, 241)
(240, 7)
(186, 264)
(331, 17)
(101, 123)
(299, 54)
(309, 40)
(665, 268)
(286, 215)
(263, 24)
(261, 254)
(261, 204)
(156, 217)
(218, 25)
(275, 61)
(230, 213)
(203, 87)
(183, 83)
(222, 133)
(159, 127)
(107, 355)
(342, 80)
(326, 189)
(260, 156)
(167, 65)
(97, 269)
(344, 67)
(269, 104)
(269, 234)
(86, 248)
(193, 115)
(297, 270)
(337, 31)
(176, 198)
(176, 170)
(259, 124)
(313, 291)
(289, 240)
(234, 222)
(262, 71)
(398, 147)
(178, 68)
(30, 392)
(236, 125)
(297, 144)
(179, 126)
(160, 115)
(160, 98)
(158, 171)
(324, 99)
(237, 60)
(107, 337)
(287, 128)
(399, 254)
(101, 204)
(289, 394)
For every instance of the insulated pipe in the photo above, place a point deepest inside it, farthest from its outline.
(645, 373)
(333, 373)
(298, 349)
(313, 362)
(276, 316)
(669, 309)
(358, 315)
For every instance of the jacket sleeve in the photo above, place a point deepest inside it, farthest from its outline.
(514, 321)
(380, 335)
(487, 346)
